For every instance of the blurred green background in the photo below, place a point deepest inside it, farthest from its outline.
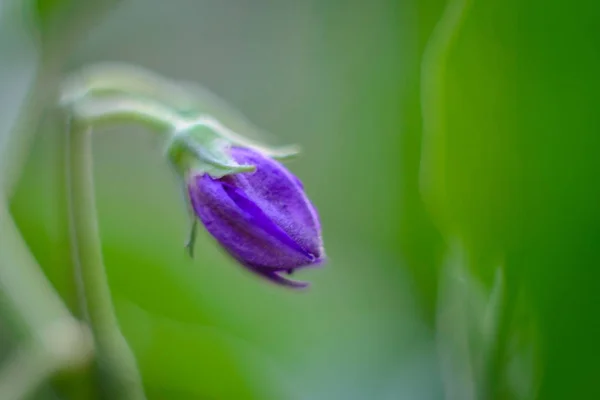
(407, 306)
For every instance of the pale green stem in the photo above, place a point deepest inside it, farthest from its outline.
(116, 360)
(119, 109)
(114, 82)
(122, 79)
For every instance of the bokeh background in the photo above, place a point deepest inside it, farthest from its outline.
(484, 288)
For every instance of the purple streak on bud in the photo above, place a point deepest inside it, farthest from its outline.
(262, 218)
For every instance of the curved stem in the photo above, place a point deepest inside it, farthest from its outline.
(109, 78)
(116, 361)
(149, 94)
(124, 108)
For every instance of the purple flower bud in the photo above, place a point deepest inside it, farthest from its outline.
(262, 218)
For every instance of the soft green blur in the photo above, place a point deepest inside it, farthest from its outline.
(382, 319)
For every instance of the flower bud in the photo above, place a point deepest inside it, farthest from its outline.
(262, 218)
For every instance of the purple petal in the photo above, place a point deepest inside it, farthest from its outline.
(263, 218)
(281, 196)
(260, 220)
(246, 233)
(275, 276)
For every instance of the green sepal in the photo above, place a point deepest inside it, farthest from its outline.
(200, 149)
(236, 139)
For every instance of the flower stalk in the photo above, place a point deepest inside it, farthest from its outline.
(115, 360)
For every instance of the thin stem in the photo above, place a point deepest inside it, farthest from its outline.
(163, 96)
(123, 108)
(123, 79)
(116, 361)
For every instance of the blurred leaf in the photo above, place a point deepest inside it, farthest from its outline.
(488, 343)
(20, 58)
(523, 367)
(18, 69)
(466, 325)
